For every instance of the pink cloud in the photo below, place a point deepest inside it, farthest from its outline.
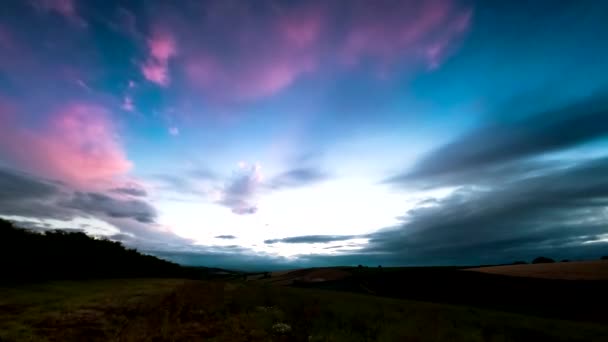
(162, 48)
(403, 29)
(65, 8)
(242, 53)
(78, 145)
(263, 57)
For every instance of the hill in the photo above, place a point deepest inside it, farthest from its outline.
(27, 255)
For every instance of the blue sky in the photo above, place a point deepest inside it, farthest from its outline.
(280, 133)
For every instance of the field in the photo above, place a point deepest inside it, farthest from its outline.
(581, 300)
(581, 270)
(188, 310)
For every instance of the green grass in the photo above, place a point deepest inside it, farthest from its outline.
(178, 310)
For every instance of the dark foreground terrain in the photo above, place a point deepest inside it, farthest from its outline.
(581, 300)
(48, 295)
(190, 310)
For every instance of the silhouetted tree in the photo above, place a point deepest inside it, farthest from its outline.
(360, 266)
(605, 257)
(519, 262)
(57, 254)
(542, 260)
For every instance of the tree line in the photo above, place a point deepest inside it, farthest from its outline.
(27, 255)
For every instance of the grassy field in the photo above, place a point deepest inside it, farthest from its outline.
(580, 300)
(579, 270)
(180, 310)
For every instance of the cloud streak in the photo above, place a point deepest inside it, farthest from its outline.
(297, 177)
(500, 143)
(553, 210)
(312, 239)
(97, 203)
(226, 237)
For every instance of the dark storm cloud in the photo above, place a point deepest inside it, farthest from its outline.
(226, 237)
(24, 195)
(541, 209)
(96, 203)
(14, 184)
(492, 145)
(297, 177)
(312, 239)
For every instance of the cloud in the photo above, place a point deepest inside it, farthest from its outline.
(399, 29)
(14, 184)
(554, 210)
(262, 54)
(226, 237)
(240, 191)
(131, 190)
(65, 8)
(162, 48)
(24, 195)
(312, 239)
(495, 145)
(245, 52)
(510, 201)
(297, 177)
(79, 145)
(97, 203)
(42, 204)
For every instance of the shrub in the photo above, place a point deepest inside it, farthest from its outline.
(542, 260)
(605, 257)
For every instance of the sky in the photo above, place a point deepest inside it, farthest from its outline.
(279, 134)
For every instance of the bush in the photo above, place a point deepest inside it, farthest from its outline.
(543, 260)
(519, 262)
(605, 257)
